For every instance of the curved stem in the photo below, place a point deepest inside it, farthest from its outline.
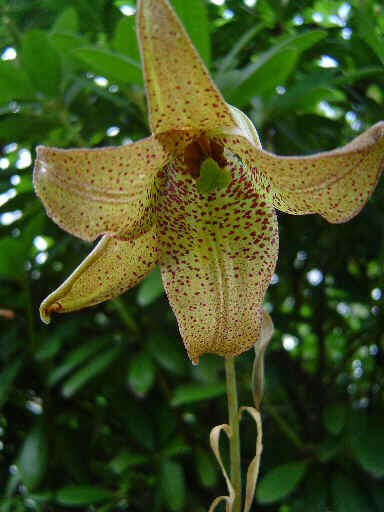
(234, 441)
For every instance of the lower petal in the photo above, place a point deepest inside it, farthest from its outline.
(217, 257)
(110, 269)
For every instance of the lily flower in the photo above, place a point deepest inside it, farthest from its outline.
(197, 197)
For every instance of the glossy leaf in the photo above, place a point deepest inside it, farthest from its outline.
(280, 481)
(22, 127)
(14, 83)
(141, 373)
(97, 365)
(65, 43)
(371, 36)
(41, 62)
(167, 353)
(206, 468)
(77, 495)
(334, 417)
(347, 495)
(265, 76)
(111, 65)
(67, 21)
(173, 485)
(33, 457)
(125, 39)
(126, 459)
(7, 377)
(191, 393)
(367, 443)
(75, 358)
(139, 426)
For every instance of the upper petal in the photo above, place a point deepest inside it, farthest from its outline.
(110, 269)
(336, 184)
(218, 253)
(111, 190)
(179, 89)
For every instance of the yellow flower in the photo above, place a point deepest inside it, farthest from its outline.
(197, 198)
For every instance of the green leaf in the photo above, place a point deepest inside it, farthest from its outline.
(230, 60)
(175, 446)
(280, 481)
(67, 21)
(347, 496)
(7, 376)
(97, 365)
(42, 62)
(190, 393)
(314, 493)
(172, 483)
(76, 495)
(75, 358)
(150, 288)
(140, 426)
(377, 493)
(111, 65)
(368, 29)
(206, 468)
(65, 43)
(305, 92)
(334, 416)
(14, 251)
(273, 67)
(14, 83)
(32, 460)
(48, 349)
(366, 441)
(328, 449)
(302, 41)
(12, 257)
(168, 352)
(125, 459)
(125, 40)
(194, 17)
(264, 76)
(141, 373)
(20, 127)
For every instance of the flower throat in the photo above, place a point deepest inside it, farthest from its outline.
(207, 164)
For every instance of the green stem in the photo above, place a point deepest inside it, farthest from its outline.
(234, 441)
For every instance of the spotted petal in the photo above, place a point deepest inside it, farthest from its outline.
(180, 91)
(110, 269)
(89, 192)
(336, 184)
(218, 253)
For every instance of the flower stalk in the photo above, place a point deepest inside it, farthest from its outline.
(234, 438)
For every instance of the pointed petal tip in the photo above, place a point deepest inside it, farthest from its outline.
(46, 310)
(378, 130)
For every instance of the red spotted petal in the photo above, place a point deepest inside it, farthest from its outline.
(180, 91)
(89, 192)
(110, 269)
(218, 253)
(336, 184)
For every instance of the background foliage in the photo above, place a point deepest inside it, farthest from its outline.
(102, 410)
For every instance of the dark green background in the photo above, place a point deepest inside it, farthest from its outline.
(102, 410)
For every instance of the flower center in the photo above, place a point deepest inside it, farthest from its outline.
(206, 163)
